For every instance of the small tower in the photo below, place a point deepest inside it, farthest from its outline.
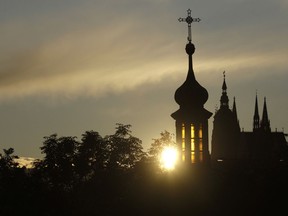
(192, 118)
(256, 121)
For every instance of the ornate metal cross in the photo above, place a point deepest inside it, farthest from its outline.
(189, 20)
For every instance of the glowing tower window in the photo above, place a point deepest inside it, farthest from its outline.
(183, 142)
(193, 159)
(192, 138)
(200, 143)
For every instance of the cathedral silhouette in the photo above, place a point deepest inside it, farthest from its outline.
(231, 147)
(258, 148)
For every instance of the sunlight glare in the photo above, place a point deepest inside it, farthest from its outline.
(168, 158)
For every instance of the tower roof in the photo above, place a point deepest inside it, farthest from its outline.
(224, 98)
(256, 122)
(256, 112)
(234, 109)
(265, 113)
(224, 112)
(265, 123)
(224, 86)
(191, 96)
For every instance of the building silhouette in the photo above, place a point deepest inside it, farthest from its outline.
(258, 148)
(230, 146)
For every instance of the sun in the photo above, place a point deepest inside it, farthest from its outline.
(168, 158)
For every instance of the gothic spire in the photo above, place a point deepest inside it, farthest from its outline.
(265, 123)
(234, 110)
(224, 98)
(256, 122)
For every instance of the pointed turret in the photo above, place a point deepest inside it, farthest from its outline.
(234, 111)
(226, 130)
(224, 101)
(256, 121)
(265, 122)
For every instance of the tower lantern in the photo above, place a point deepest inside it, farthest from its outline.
(192, 118)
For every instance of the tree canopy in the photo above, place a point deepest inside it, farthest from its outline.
(112, 175)
(166, 139)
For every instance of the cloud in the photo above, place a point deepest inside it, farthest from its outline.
(93, 50)
(92, 60)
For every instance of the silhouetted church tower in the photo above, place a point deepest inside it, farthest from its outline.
(192, 118)
(226, 129)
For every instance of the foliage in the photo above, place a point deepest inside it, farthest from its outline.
(166, 139)
(57, 167)
(8, 165)
(7, 161)
(92, 154)
(68, 162)
(111, 176)
(125, 150)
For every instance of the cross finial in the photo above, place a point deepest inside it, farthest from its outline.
(189, 20)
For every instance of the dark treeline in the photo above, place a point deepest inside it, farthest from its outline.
(113, 175)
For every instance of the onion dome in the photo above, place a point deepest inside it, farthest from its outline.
(191, 94)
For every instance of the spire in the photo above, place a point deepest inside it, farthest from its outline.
(256, 124)
(190, 49)
(224, 86)
(265, 123)
(224, 98)
(234, 110)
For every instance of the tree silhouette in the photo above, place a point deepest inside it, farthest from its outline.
(8, 165)
(92, 155)
(58, 165)
(113, 176)
(125, 150)
(166, 139)
(7, 161)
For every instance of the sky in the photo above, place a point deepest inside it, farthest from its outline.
(70, 66)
